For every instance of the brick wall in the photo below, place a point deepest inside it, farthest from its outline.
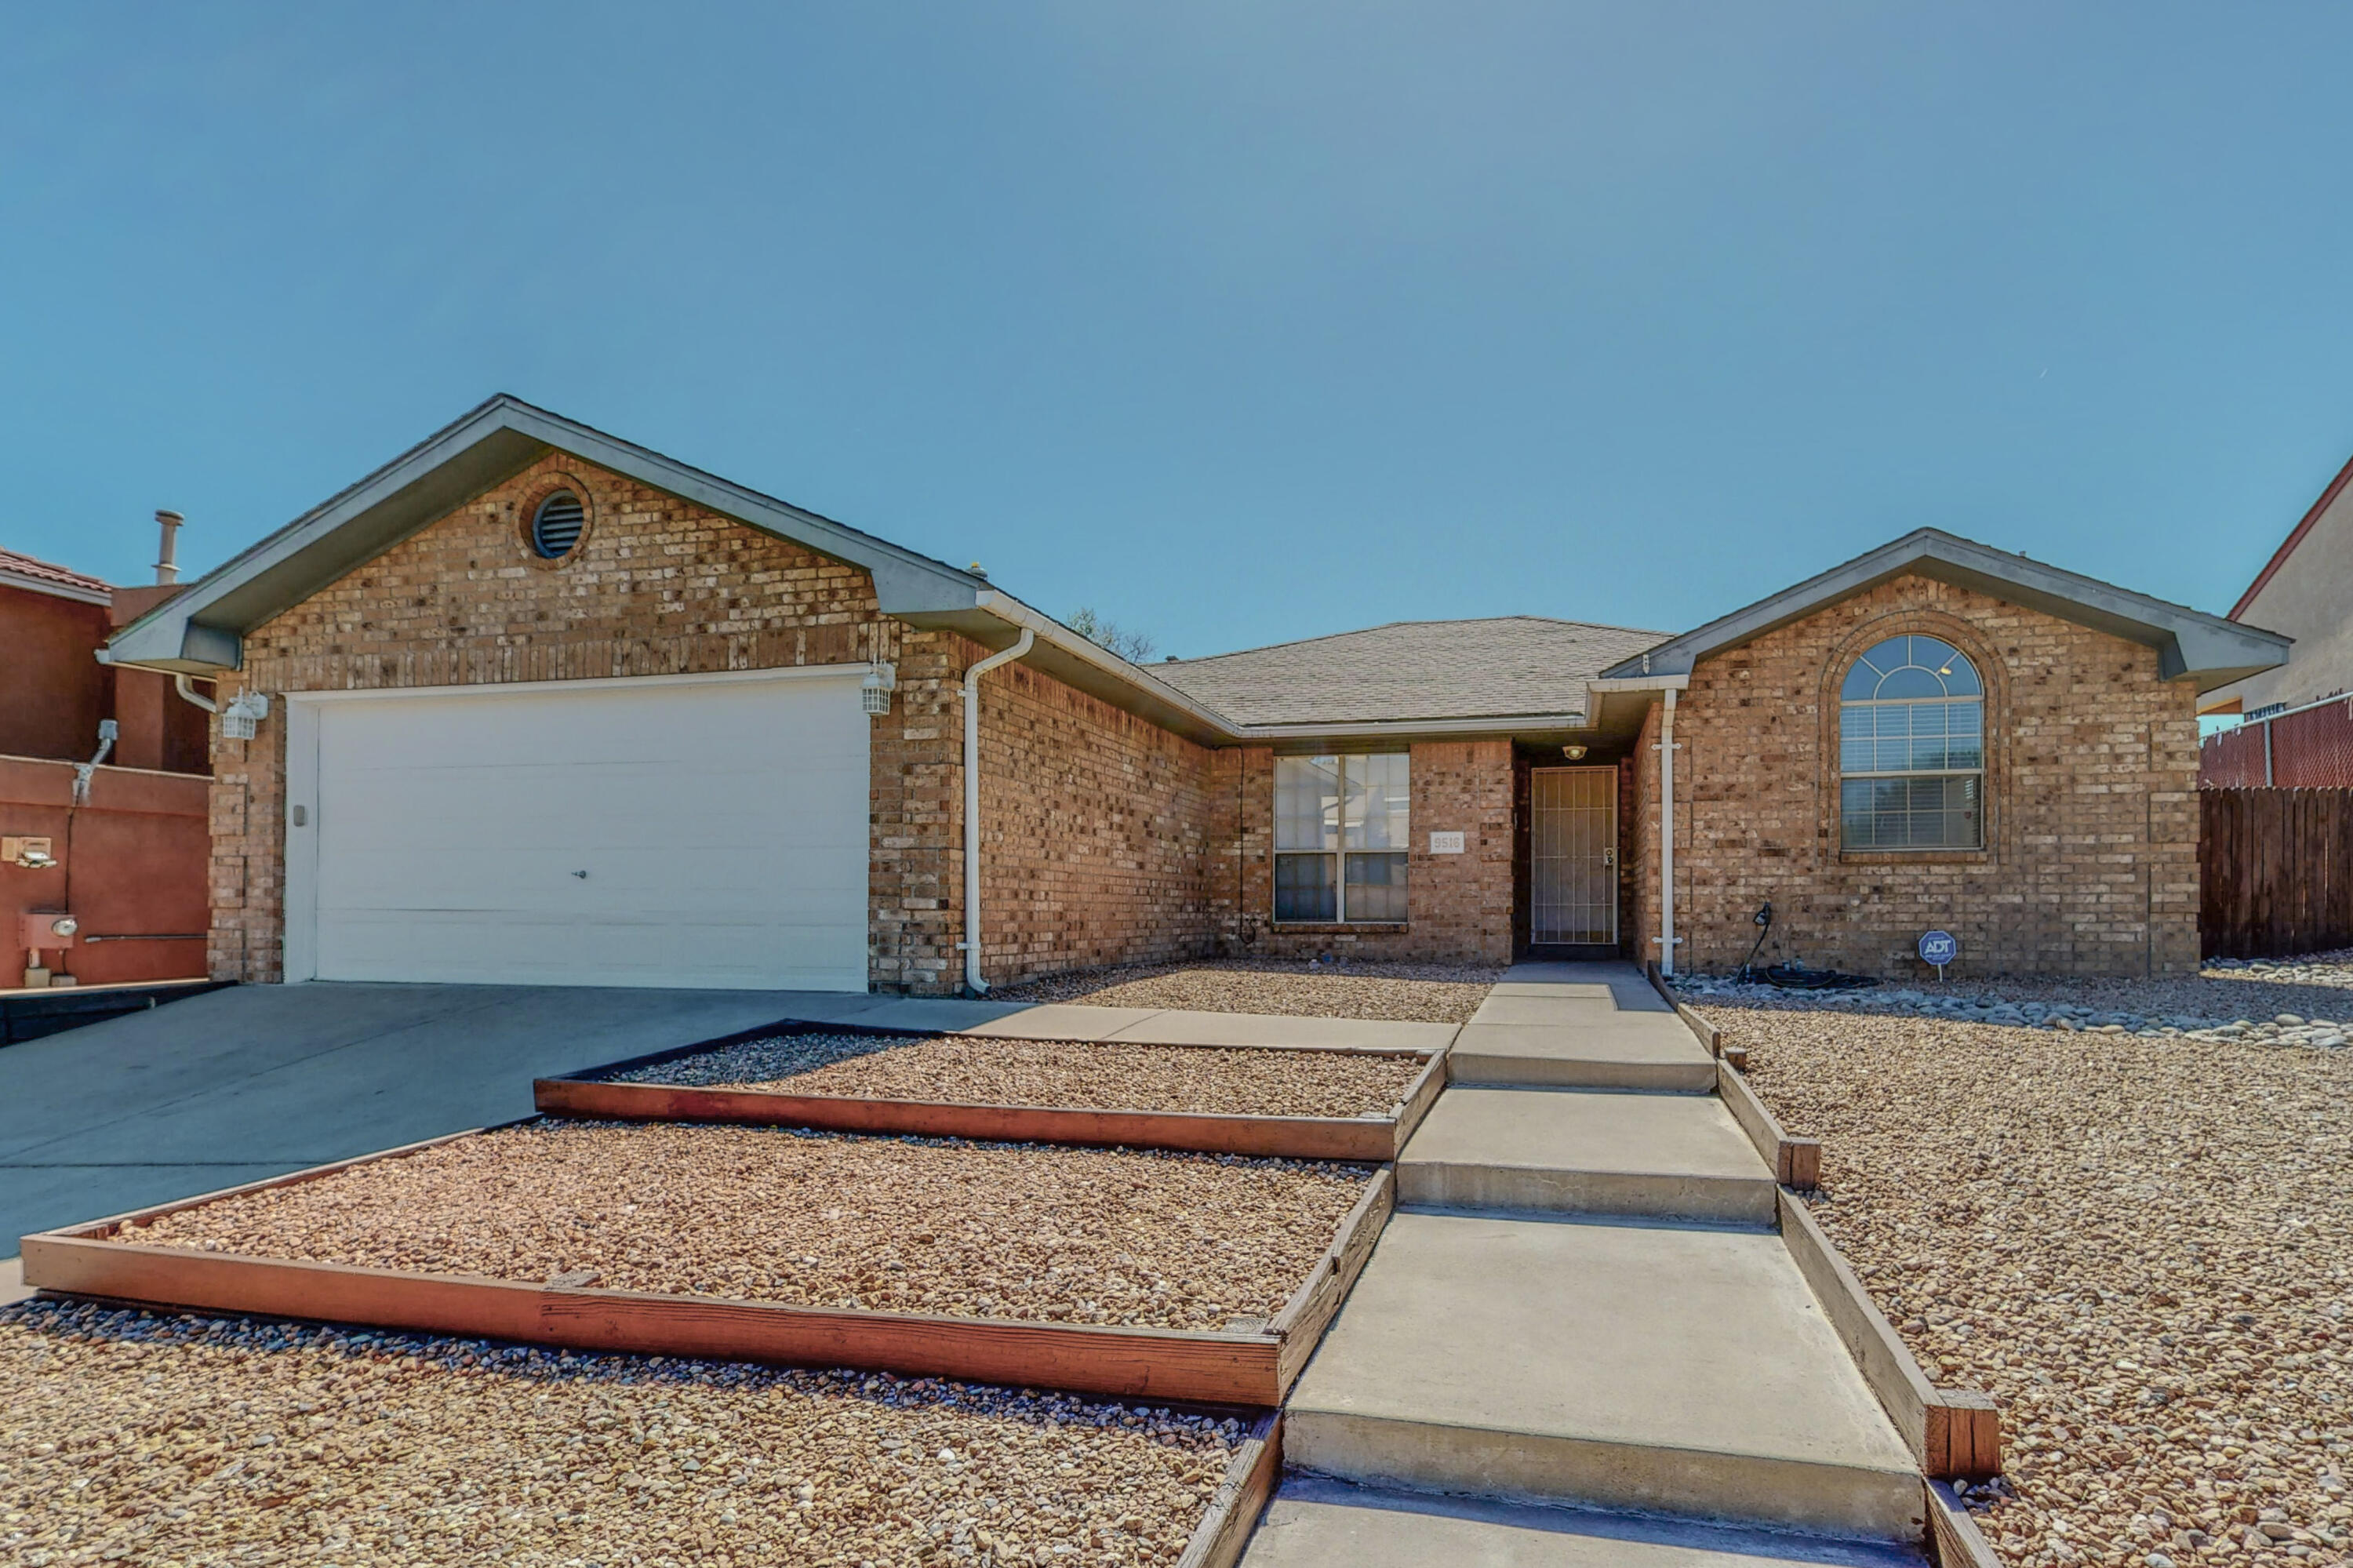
(2091, 825)
(1459, 905)
(1100, 833)
(1096, 835)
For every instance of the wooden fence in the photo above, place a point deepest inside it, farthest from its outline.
(2276, 872)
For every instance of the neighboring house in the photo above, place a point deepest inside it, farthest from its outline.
(2299, 732)
(542, 706)
(103, 806)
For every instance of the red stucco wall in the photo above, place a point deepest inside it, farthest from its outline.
(131, 863)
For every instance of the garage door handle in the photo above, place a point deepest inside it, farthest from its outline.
(581, 874)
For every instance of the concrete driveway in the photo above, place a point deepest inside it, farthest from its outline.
(253, 1081)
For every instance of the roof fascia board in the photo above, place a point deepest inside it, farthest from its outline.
(423, 484)
(2190, 643)
(73, 592)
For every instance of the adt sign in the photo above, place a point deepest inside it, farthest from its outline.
(1939, 948)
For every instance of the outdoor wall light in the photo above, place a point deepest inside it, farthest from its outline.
(874, 691)
(1574, 753)
(243, 714)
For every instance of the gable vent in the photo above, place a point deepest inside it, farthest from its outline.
(555, 526)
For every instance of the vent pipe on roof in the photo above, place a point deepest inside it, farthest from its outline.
(167, 563)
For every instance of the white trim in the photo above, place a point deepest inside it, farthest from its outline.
(54, 589)
(1667, 937)
(592, 683)
(300, 935)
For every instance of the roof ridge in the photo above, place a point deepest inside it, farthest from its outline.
(1435, 620)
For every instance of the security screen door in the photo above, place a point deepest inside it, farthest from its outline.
(1573, 849)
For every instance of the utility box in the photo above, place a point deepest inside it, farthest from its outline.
(38, 930)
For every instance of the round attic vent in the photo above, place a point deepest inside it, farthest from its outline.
(555, 526)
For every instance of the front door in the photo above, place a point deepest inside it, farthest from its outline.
(1573, 856)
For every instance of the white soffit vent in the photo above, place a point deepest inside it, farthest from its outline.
(555, 526)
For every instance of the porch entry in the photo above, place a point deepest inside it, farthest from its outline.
(1573, 856)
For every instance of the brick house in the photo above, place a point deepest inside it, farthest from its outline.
(532, 704)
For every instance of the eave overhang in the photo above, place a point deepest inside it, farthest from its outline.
(2208, 649)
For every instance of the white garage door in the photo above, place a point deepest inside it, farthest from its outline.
(645, 834)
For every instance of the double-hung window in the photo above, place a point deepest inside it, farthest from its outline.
(1912, 748)
(1340, 837)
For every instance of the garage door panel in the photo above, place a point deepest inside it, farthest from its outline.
(723, 828)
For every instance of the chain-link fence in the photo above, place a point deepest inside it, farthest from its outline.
(2303, 749)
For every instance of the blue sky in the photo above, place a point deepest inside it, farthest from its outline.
(1234, 322)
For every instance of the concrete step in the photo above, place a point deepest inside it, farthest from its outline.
(1317, 1523)
(1587, 1151)
(1651, 1368)
(1613, 1050)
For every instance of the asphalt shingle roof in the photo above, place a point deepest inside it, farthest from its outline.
(1407, 670)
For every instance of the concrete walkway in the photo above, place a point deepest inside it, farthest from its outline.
(1582, 1304)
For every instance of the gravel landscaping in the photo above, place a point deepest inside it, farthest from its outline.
(975, 1070)
(2305, 1003)
(2141, 1246)
(1020, 1231)
(136, 1437)
(1411, 993)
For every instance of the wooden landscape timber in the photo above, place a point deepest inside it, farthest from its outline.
(1224, 1530)
(1368, 1139)
(1954, 1539)
(1709, 1035)
(1796, 1162)
(1253, 1368)
(1954, 1434)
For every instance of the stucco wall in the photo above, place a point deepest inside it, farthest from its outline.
(57, 689)
(131, 864)
(2091, 856)
(2310, 597)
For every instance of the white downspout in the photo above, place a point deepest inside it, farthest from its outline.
(180, 684)
(1667, 835)
(972, 805)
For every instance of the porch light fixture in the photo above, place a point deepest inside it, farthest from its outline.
(1574, 753)
(874, 691)
(243, 714)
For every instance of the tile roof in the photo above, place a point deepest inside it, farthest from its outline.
(1407, 670)
(18, 566)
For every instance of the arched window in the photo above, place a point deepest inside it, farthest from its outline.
(1912, 748)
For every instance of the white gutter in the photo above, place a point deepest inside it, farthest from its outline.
(978, 986)
(1667, 835)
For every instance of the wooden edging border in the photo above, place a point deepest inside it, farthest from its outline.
(1709, 1035)
(1954, 1434)
(592, 1093)
(1360, 1139)
(1954, 1539)
(1218, 1540)
(1796, 1162)
(1254, 1367)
